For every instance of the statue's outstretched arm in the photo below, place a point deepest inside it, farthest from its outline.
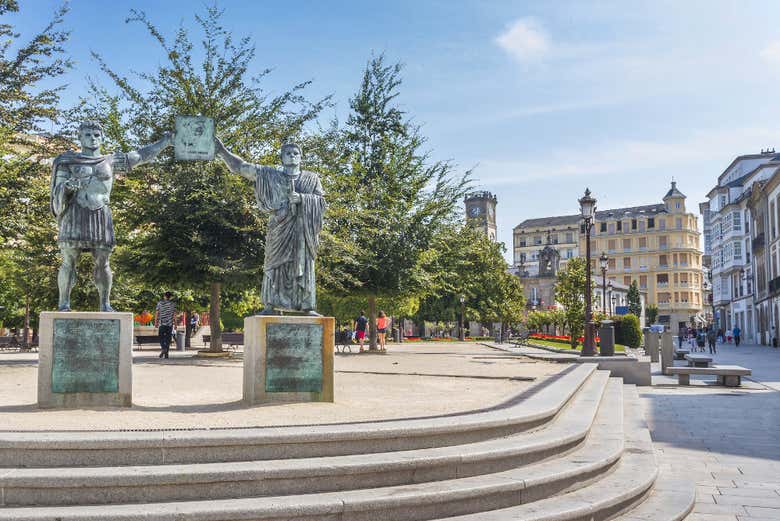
(234, 163)
(149, 152)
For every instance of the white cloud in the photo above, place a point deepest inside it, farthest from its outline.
(525, 39)
(771, 52)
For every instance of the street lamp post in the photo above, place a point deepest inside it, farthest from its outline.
(604, 260)
(588, 211)
(462, 319)
(610, 298)
(712, 300)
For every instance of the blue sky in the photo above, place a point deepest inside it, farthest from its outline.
(545, 98)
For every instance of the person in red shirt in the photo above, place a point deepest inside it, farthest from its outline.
(381, 329)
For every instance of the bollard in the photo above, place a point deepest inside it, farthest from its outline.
(607, 338)
(667, 351)
(651, 346)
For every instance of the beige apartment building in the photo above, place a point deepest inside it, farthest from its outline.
(655, 245)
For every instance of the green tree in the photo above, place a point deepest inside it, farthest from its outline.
(634, 300)
(194, 225)
(651, 314)
(570, 293)
(27, 106)
(466, 263)
(388, 201)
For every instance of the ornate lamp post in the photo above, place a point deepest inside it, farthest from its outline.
(610, 297)
(588, 211)
(462, 319)
(604, 261)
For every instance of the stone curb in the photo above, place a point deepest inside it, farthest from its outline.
(91, 485)
(21, 449)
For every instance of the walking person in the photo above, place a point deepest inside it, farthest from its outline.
(681, 334)
(736, 332)
(359, 327)
(381, 329)
(712, 336)
(164, 316)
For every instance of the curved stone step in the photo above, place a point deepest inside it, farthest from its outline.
(616, 493)
(671, 499)
(70, 449)
(580, 467)
(133, 484)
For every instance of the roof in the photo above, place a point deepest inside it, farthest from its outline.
(616, 213)
(550, 221)
(673, 192)
(774, 157)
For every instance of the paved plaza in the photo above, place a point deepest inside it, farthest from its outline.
(724, 440)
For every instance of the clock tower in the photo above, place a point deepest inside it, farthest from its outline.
(481, 212)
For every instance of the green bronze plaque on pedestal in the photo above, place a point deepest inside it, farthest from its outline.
(293, 358)
(85, 356)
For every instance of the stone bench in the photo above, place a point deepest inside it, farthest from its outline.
(699, 360)
(679, 354)
(728, 375)
(231, 339)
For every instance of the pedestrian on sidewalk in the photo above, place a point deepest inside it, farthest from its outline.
(737, 331)
(711, 338)
(359, 327)
(681, 334)
(381, 329)
(164, 317)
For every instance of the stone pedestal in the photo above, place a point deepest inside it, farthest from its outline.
(667, 351)
(651, 346)
(288, 359)
(85, 360)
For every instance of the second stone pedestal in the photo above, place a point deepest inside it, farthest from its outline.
(288, 359)
(85, 360)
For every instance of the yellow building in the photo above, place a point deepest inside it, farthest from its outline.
(658, 247)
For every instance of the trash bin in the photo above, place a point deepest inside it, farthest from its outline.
(180, 340)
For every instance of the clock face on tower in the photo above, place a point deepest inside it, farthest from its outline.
(475, 211)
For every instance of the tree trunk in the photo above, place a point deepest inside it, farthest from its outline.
(216, 333)
(26, 319)
(372, 322)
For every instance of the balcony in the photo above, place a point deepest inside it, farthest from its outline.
(758, 242)
(662, 285)
(774, 285)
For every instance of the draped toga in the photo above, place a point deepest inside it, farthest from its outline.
(292, 239)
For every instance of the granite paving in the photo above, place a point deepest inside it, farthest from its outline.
(725, 440)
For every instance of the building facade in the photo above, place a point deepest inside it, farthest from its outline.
(655, 245)
(532, 235)
(481, 212)
(658, 247)
(735, 215)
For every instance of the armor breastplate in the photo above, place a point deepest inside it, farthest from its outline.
(96, 183)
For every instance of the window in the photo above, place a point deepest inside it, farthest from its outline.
(642, 243)
(611, 245)
(662, 224)
(537, 240)
(772, 219)
(677, 205)
(662, 242)
(627, 280)
(602, 227)
(611, 264)
(620, 226)
(662, 280)
(722, 201)
(611, 228)
(663, 261)
(736, 219)
(642, 225)
(569, 253)
(737, 251)
(633, 224)
(522, 243)
(626, 244)
(651, 222)
(626, 263)
(569, 237)
(678, 223)
(643, 281)
(747, 222)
